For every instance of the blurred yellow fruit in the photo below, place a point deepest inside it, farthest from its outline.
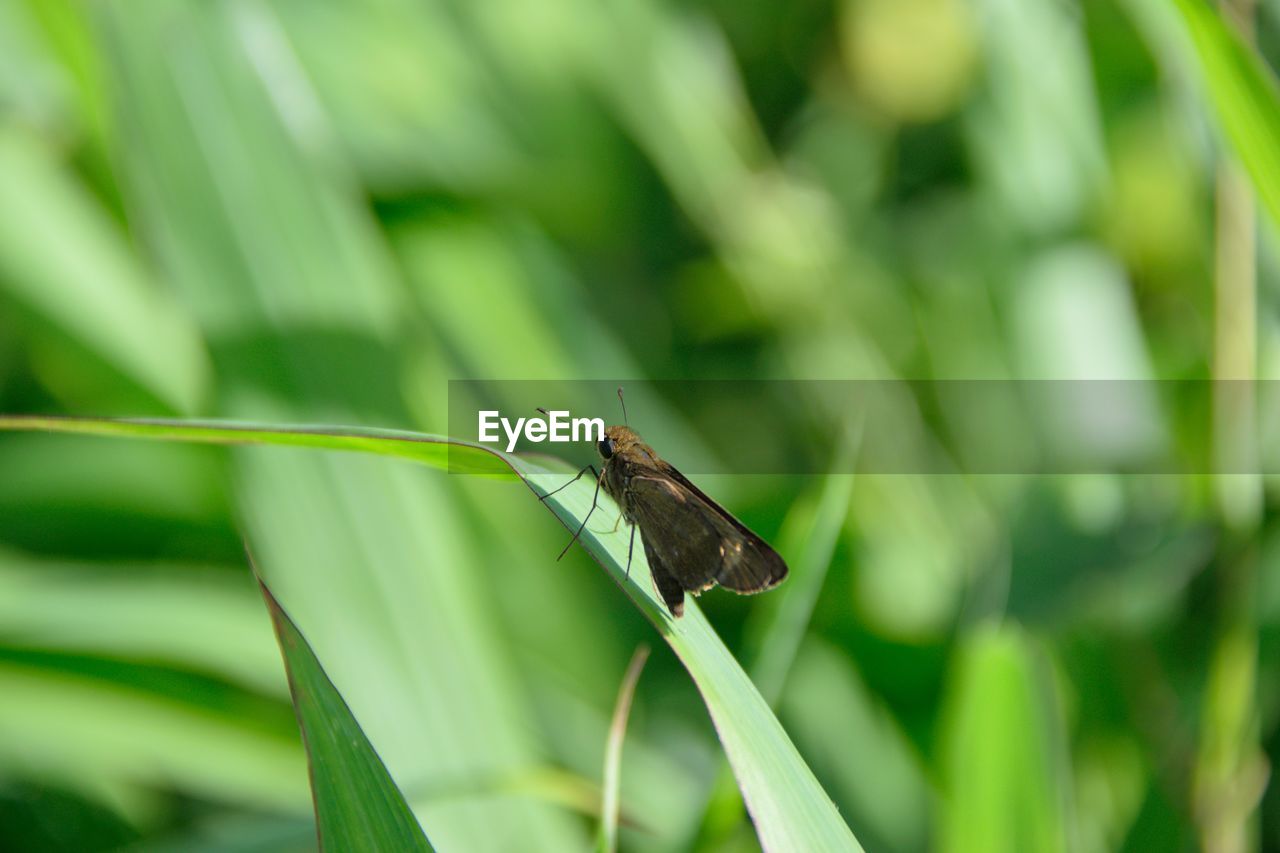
(912, 60)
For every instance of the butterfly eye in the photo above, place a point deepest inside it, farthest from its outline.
(606, 448)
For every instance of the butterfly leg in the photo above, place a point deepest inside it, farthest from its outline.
(594, 498)
(631, 544)
(590, 468)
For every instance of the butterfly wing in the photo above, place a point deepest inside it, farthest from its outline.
(750, 564)
(696, 540)
(669, 589)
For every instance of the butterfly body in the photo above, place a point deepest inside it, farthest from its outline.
(690, 541)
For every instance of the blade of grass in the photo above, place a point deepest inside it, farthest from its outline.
(790, 809)
(1243, 93)
(1005, 785)
(456, 456)
(358, 806)
(666, 771)
(1230, 771)
(608, 841)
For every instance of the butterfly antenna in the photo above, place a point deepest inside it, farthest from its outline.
(624, 406)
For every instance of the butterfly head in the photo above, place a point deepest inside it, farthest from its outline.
(618, 440)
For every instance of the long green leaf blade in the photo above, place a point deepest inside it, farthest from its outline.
(358, 806)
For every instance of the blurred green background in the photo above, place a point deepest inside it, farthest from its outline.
(322, 212)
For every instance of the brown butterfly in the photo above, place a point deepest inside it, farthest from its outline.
(692, 543)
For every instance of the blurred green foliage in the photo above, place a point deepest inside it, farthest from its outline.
(302, 212)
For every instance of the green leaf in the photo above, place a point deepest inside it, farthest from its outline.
(1004, 783)
(358, 806)
(790, 809)
(1244, 95)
